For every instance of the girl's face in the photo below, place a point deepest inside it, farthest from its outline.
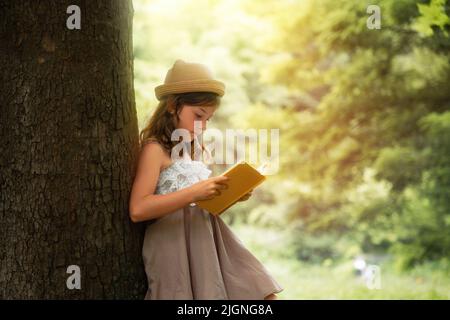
(189, 114)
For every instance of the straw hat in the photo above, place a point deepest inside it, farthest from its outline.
(189, 77)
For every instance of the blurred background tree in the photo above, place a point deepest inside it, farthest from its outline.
(364, 119)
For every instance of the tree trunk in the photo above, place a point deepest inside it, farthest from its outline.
(68, 151)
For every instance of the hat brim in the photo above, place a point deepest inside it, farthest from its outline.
(199, 85)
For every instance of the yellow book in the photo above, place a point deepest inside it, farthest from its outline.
(243, 178)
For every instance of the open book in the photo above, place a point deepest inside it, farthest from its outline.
(243, 178)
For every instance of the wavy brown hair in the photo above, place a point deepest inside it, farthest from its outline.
(162, 123)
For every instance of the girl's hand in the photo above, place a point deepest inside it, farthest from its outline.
(246, 196)
(208, 188)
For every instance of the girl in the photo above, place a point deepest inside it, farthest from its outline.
(189, 253)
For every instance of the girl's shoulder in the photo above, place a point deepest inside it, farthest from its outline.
(150, 140)
(153, 146)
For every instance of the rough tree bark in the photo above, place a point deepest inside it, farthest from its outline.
(68, 150)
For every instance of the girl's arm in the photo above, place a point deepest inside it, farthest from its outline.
(157, 205)
(145, 205)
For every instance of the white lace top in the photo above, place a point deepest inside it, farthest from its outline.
(181, 174)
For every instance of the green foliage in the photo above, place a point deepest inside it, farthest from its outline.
(334, 279)
(363, 114)
(432, 15)
(373, 149)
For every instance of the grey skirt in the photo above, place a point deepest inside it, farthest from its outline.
(191, 254)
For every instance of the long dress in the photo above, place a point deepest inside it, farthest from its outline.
(191, 254)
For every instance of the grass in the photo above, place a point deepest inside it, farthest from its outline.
(338, 281)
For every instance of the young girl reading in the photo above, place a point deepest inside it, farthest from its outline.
(189, 253)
